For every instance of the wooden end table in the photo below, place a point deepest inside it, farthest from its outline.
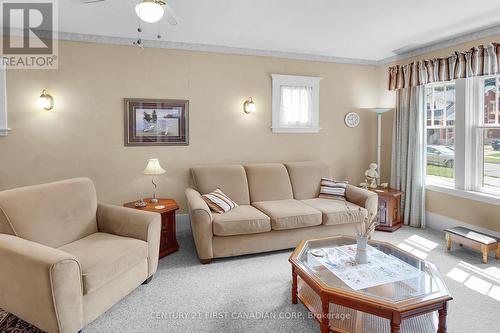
(168, 240)
(389, 209)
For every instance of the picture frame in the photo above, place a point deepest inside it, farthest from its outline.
(156, 122)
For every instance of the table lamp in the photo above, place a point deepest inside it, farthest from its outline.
(154, 169)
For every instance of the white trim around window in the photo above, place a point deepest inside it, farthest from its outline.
(4, 129)
(305, 85)
(471, 195)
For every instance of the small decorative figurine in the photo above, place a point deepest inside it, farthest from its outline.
(371, 175)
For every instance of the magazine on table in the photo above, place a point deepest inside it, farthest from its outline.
(380, 269)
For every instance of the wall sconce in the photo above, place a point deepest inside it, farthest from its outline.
(45, 101)
(249, 106)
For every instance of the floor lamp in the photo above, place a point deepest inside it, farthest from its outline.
(379, 112)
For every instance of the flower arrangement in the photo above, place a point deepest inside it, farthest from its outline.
(367, 227)
(363, 231)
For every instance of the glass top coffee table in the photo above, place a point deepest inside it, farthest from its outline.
(414, 291)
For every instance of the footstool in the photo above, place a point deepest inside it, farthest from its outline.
(473, 239)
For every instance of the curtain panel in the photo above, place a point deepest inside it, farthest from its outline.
(408, 154)
(480, 60)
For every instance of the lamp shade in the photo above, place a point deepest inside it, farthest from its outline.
(149, 11)
(154, 167)
(380, 110)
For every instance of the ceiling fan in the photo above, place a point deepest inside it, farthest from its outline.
(150, 11)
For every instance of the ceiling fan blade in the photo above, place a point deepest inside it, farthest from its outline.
(170, 15)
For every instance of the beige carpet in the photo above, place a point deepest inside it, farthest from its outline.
(252, 293)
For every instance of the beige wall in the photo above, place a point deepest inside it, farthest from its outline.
(469, 211)
(83, 135)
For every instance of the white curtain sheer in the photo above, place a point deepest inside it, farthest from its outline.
(296, 106)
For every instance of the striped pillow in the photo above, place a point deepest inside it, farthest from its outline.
(331, 189)
(219, 202)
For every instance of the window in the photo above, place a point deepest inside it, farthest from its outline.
(463, 137)
(440, 128)
(295, 104)
(489, 128)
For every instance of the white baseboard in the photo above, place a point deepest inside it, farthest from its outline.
(440, 222)
(183, 224)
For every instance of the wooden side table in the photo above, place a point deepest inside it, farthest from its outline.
(389, 209)
(168, 240)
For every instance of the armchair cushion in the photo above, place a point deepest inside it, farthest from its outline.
(241, 220)
(140, 225)
(335, 211)
(104, 256)
(59, 213)
(289, 214)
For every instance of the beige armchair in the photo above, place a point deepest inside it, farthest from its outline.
(65, 259)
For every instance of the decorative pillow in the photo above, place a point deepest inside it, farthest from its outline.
(219, 202)
(331, 189)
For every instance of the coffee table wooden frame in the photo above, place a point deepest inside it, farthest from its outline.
(393, 311)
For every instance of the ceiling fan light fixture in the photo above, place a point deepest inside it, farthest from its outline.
(149, 11)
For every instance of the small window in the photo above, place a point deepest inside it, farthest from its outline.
(295, 104)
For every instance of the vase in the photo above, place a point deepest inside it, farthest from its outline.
(361, 256)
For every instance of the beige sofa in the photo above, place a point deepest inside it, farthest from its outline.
(65, 259)
(278, 205)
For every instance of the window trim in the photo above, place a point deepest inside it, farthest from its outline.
(4, 128)
(279, 80)
(472, 195)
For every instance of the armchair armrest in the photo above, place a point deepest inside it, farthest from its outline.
(201, 224)
(363, 198)
(41, 285)
(133, 223)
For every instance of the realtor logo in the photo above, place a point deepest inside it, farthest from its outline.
(29, 34)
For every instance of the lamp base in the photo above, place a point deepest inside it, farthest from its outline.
(154, 200)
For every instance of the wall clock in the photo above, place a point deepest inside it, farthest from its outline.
(351, 119)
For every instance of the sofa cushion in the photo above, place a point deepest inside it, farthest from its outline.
(104, 256)
(289, 214)
(335, 211)
(241, 220)
(230, 179)
(306, 177)
(51, 214)
(268, 182)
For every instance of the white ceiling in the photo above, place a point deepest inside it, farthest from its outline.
(358, 29)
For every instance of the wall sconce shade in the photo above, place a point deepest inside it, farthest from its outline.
(154, 168)
(45, 101)
(249, 106)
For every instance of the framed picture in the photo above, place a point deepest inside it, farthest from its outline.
(156, 122)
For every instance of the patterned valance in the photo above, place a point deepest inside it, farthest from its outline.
(480, 60)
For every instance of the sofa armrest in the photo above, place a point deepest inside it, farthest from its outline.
(41, 285)
(201, 224)
(132, 223)
(363, 198)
